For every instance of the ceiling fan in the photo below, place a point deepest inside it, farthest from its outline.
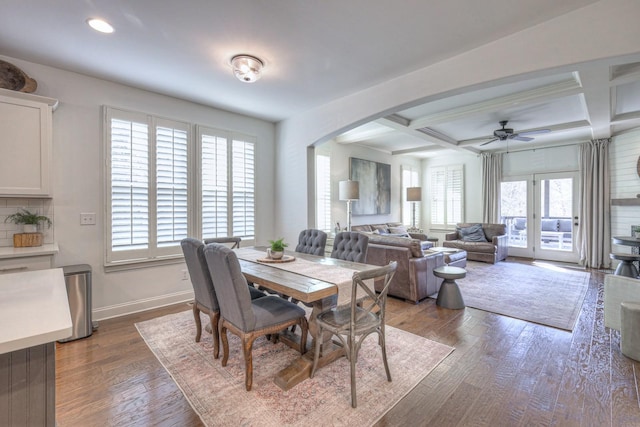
(507, 133)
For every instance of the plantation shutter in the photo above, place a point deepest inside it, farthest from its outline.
(454, 195)
(129, 149)
(323, 193)
(215, 185)
(438, 196)
(243, 185)
(171, 185)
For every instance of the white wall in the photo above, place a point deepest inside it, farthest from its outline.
(340, 154)
(605, 29)
(624, 154)
(78, 187)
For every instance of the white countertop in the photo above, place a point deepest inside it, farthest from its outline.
(11, 252)
(34, 309)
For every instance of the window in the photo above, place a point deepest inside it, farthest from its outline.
(447, 194)
(410, 178)
(323, 193)
(151, 206)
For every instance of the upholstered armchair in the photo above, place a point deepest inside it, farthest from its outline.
(483, 242)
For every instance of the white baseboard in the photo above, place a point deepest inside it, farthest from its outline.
(118, 310)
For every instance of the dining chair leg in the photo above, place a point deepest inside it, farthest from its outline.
(247, 346)
(384, 355)
(196, 318)
(352, 362)
(215, 318)
(316, 353)
(225, 344)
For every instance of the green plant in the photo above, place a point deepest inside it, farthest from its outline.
(278, 245)
(26, 217)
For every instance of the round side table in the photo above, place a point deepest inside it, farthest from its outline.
(449, 295)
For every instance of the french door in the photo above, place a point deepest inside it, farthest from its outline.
(540, 212)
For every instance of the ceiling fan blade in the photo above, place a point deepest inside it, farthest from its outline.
(521, 138)
(491, 140)
(534, 132)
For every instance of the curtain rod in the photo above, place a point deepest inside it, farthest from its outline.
(536, 148)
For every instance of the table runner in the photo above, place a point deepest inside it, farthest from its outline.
(339, 276)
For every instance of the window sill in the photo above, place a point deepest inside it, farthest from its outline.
(145, 263)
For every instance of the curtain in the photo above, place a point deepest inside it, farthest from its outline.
(491, 177)
(594, 231)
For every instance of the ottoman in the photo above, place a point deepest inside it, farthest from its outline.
(630, 329)
(456, 259)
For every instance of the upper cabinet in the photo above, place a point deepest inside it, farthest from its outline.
(25, 144)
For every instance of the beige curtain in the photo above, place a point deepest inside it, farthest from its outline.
(491, 177)
(594, 231)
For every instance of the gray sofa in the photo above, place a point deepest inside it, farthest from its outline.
(414, 279)
(494, 248)
(393, 229)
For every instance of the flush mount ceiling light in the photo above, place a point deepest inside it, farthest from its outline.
(100, 25)
(247, 68)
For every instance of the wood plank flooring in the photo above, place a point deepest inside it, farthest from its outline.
(504, 372)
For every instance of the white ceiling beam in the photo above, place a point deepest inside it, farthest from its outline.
(553, 91)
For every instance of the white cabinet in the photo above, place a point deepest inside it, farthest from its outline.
(26, 144)
(17, 260)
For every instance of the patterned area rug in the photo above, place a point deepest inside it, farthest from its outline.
(540, 293)
(219, 397)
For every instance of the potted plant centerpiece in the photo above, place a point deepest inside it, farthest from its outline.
(276, 251)
(29, 220)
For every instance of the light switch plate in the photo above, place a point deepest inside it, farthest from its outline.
(87, 219)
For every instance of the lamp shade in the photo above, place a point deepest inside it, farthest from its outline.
(349, 190)
(414, 194)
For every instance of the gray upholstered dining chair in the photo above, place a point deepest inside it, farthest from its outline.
(204, 294)
(354, 322)
(244, 317)
(350, 246)
(312, 241)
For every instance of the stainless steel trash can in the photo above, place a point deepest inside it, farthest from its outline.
(78, 281)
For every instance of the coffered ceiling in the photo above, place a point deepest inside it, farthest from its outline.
(316, 52)
(593, 100)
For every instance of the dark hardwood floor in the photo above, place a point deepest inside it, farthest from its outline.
(503, 372)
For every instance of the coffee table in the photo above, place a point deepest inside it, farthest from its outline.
(449, 295)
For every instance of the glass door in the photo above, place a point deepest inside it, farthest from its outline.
(556, 217)
(540, 213)
(516, 202)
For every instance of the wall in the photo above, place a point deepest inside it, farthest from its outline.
(625, 183)
(340, 154)
(78, 181)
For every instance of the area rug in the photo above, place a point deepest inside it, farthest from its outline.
(218, 393)
(540, 292)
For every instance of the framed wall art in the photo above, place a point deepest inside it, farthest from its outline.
(375, 187)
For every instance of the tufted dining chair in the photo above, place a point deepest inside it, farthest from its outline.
(204, 294)
(244, 317)
(354, 322)
(312, 241)
(350, 246)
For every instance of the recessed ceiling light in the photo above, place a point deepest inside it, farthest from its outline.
(100, 25)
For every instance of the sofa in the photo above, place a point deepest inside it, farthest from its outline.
(483, 242)
(414, 279)
(393, 229)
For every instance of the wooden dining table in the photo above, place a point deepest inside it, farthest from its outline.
(317, 281)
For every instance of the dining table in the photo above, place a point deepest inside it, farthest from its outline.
(319, 282)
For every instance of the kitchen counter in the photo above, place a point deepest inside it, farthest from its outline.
(34, 309)
(11, 252)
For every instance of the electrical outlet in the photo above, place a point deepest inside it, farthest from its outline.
(87, 219)
(185, 275)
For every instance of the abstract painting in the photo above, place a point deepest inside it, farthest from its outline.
(375, 187)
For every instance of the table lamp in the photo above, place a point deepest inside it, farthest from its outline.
(414, 195)
(349, 191)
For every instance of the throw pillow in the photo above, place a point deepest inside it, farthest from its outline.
(397, 230)
(473, 233)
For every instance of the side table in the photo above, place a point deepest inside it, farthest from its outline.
(449, 295)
